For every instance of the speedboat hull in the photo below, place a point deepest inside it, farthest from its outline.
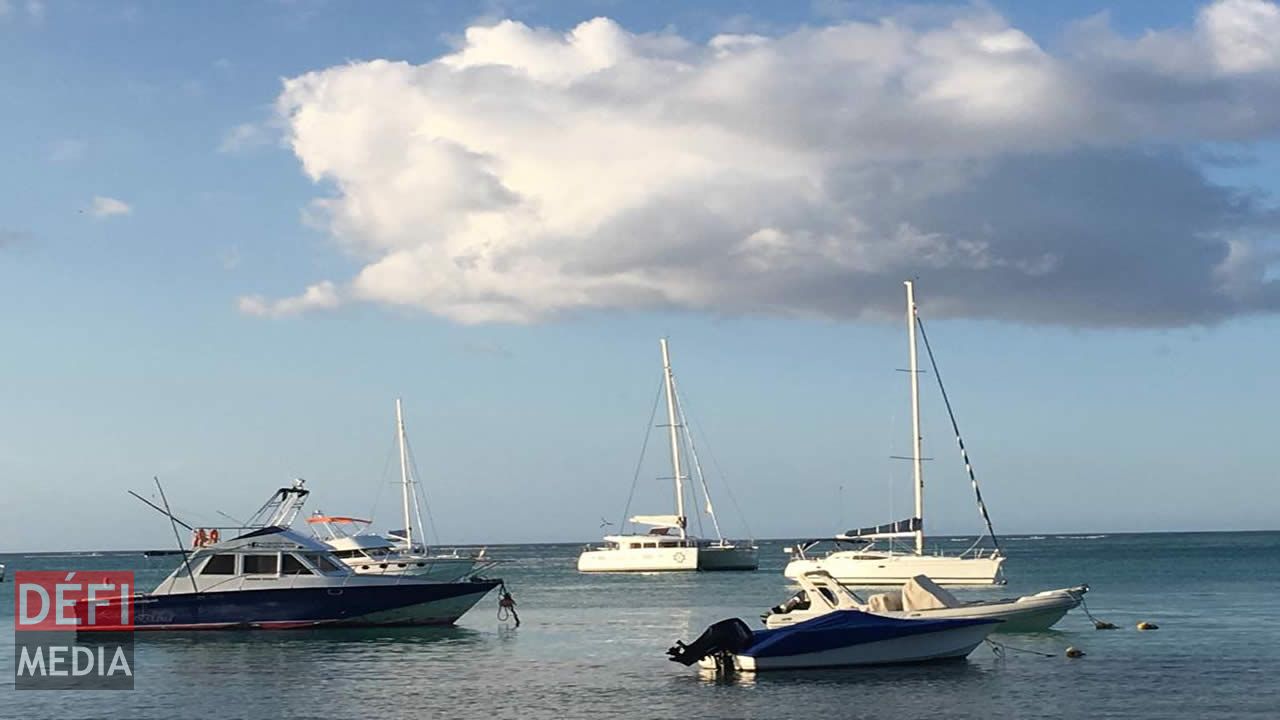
(861, 569)
(353, 605)
(1027, 614)
(953, 644)
(843, 638)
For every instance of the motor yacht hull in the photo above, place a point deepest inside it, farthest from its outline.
(348, 605)
(434, 569)
(718, 557)
(860, 568)
(660, 559)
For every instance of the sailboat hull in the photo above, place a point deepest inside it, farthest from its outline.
(861, 568)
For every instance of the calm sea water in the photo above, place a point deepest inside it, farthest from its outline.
(592, 646)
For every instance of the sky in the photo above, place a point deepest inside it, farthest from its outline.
(231, 234)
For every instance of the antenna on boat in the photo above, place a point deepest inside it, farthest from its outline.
(173, 523)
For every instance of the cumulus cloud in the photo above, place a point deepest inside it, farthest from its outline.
(532, 173)
(104, 207)
(321, 296)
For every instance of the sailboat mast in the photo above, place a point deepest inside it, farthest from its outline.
(404, 475)
(675, 435)
(914, 372)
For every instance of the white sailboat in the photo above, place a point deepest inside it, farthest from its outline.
(668, 546)
(404, 551)
(872, 565)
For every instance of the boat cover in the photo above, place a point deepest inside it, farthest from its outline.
(844, 628)
(884, 602)
(893, 529)
(921, 593)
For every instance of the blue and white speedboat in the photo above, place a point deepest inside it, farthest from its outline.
(274, 577)
(843, 638)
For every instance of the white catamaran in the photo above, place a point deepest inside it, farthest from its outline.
(871, 565)
(668, 546)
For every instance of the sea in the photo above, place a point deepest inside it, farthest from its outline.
(592, 646)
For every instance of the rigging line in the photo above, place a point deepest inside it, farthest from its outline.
(964, 454)
(686, 444)
(697, 466)
(724, 482)
(648, 431)
(417, 508)
(383, 482)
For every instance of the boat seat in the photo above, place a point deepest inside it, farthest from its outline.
(884, 602)
(921, 593)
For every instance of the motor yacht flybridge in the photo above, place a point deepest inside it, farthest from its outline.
(668, 545)
(870, 564)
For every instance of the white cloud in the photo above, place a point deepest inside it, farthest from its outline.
(532, 173)
(321, 296)
(108, 206)
(242, 137)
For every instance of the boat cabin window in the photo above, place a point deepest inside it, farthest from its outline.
(651, 545)
(261, 564)
(220, 565)
(669, 543)
(291, 565)
(322, 563)
(830, 596)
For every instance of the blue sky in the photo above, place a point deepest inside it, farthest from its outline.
(156, 217)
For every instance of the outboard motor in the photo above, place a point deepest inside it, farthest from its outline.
(722, 639)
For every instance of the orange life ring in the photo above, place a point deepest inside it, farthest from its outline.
(200, 538)
(214, 536)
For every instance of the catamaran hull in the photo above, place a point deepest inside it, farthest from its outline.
(679, 559)
(852, 568)
(728, 557)
(350, 606)
(951, 644)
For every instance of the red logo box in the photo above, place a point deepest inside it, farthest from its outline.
(59, 600)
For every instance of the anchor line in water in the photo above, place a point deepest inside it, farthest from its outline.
(964, 454)
(999, 649)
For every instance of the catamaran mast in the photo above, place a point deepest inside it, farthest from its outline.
(675, 435)
(404, 475)
(914, 371)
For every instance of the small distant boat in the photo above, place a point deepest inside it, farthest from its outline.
(401, 552)
(668, 546)
(842, 638)
(922, 599)
(1, 572)
(273, 578)
(869, 564)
